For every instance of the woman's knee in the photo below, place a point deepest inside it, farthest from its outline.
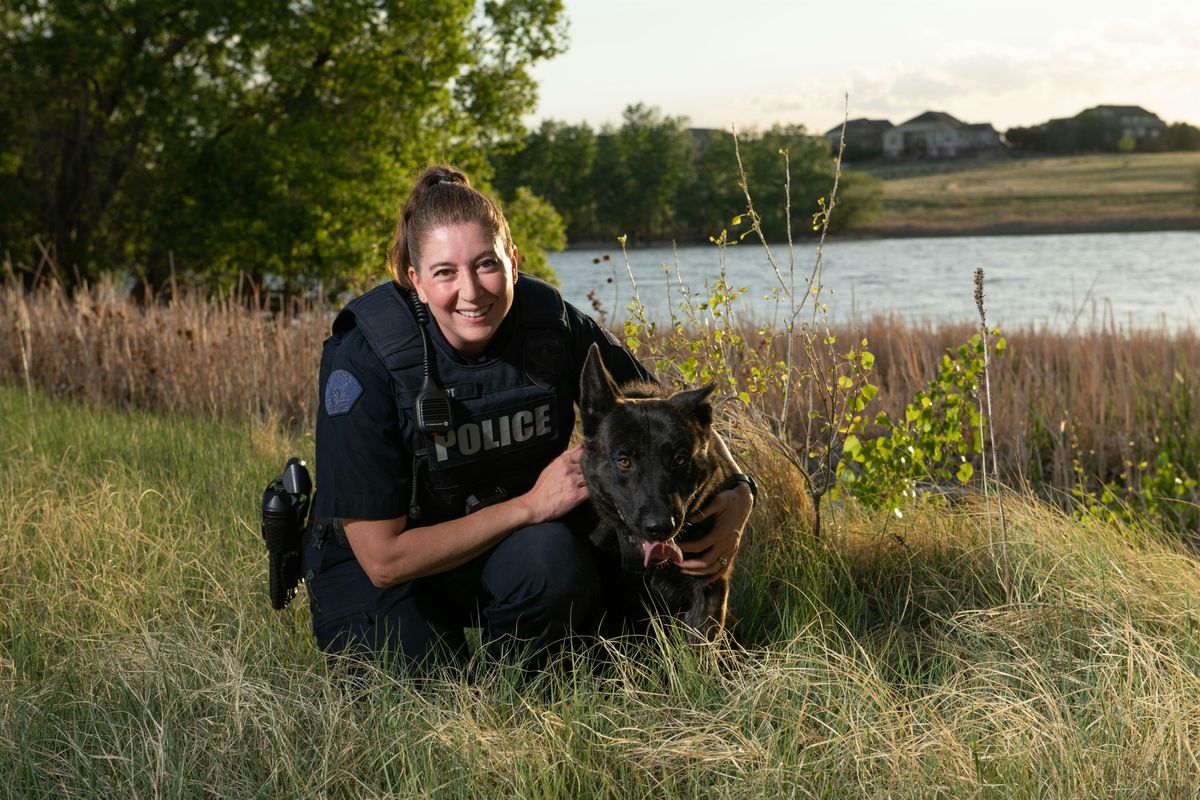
(548, 564)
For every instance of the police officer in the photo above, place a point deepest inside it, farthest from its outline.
(443, 472)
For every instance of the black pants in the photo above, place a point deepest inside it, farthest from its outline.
(529, 594)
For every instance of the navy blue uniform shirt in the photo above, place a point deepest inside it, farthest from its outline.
(364, 463)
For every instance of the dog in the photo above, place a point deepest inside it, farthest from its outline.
(650, 462)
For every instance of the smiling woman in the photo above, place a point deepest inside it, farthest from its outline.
(468, 283)
(442, 470)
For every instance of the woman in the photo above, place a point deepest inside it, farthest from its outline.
(447, 404)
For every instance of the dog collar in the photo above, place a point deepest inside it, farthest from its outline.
(741, 477)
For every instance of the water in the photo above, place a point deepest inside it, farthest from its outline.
(1137, 280)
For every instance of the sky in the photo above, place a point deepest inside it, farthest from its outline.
(753, 63)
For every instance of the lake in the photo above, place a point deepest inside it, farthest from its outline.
(1140, 280)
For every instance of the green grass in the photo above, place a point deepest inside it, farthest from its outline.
(139, 656)
(1134, 191)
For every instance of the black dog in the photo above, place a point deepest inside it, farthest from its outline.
(649, 463)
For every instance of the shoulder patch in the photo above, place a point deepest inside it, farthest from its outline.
(342, 391)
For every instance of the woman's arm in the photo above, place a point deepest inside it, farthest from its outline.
(391, 553)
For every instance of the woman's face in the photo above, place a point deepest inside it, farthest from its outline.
(467, 280)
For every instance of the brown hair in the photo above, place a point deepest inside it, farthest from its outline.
(441, 195)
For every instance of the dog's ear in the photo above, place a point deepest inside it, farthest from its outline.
(598, 393)
(695, 402)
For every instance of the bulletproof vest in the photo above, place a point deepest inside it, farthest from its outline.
(512, 412)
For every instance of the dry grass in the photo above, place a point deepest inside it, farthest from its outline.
(1096, 192)
(214, 357)
(138, 655)
(1103, 397)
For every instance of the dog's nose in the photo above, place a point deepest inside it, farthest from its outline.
(659, 526)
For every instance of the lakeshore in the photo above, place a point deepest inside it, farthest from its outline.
(1143, 279)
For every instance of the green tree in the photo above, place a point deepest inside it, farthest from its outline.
(654, 179)
(556, 163)
(536, 229)
(639, 168)
(264, 137)
(1182, 136)
(811, 177)
(709, 196)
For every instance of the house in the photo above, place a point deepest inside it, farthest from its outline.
(1132, 122)
(864, 137)
(936, 134)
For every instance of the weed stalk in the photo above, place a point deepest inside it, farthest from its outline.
(985, 377)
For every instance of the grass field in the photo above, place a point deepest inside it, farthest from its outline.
(139, 656)
(1146, 191)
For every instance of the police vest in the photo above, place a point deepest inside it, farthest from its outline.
(512, 412)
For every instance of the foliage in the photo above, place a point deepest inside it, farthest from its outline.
(1158, 487)
(1182, 136)
(229, 136)
(537, 229)
(639, 167)
(934, 445)
(655, 179)
(1092, 131)
(556, 161)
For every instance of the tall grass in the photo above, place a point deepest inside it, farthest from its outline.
(1086, 404)
(225, 356)
(139, 655)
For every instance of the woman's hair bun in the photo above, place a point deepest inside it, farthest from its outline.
(442, 173)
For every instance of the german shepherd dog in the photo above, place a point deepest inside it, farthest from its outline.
(649, 462)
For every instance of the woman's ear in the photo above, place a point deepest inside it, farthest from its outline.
(516, 259)
(415, 280)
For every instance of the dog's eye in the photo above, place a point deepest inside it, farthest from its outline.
(679, 461)
(624, 462)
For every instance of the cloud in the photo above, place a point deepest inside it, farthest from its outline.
(1013, 87)
(1018, 65)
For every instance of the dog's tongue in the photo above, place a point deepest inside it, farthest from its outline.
(661, 551)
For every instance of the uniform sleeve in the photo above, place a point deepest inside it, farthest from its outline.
(364, 465)
(585, 331)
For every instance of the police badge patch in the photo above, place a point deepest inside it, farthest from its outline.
(342, 391)
(545, 356)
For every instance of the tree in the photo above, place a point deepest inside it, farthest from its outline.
(536, 230)
(556, 163)
(269, 137)
(709, 197)
(1182, 136)
(638, 169)
(654, 179)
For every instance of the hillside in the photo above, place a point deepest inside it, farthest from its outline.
(1120, 192)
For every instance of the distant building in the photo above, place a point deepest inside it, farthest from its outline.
(1132, 122)
(936, 134)
(864, 137)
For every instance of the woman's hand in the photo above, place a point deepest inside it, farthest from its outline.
(558, 489)
(719, 548)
